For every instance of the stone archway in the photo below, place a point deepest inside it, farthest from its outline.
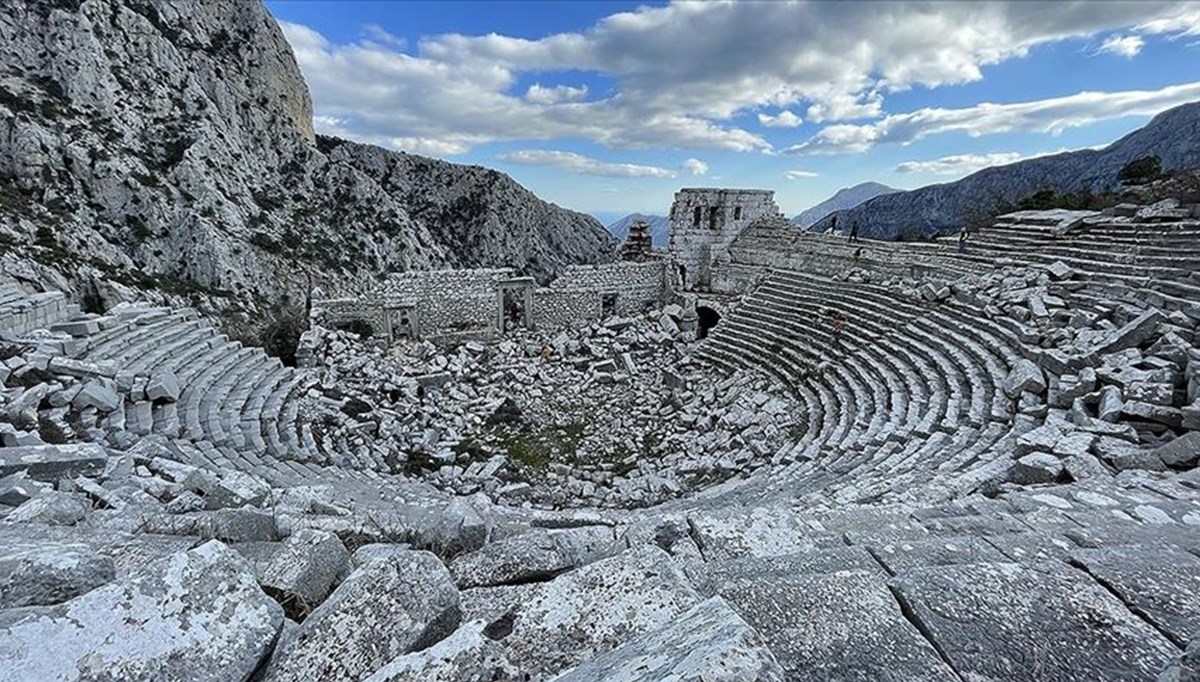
(706, 319)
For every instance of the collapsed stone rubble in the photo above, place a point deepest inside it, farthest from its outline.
(612, 414)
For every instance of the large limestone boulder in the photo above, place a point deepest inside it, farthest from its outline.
(466, 655)
(51, 574)
(539, 554)
(597, 608)
(1024, 376)
(195, 615)
(301, 573)
(52, 508)
(388, 607)
(709, 643)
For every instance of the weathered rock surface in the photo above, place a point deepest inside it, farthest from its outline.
(467, 655)
(709, 643)
(597, 608)
(51, 574)
(199, 615)
(989, 620)
(410, 597)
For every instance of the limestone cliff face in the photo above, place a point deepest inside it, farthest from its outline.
(168, 145)
(1173, 135)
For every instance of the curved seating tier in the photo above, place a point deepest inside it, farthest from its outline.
(907, 393)
(237, 406)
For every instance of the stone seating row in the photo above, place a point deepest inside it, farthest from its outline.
(906, 389)
(964, 589)
(22, 312)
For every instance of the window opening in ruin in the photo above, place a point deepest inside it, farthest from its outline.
(712, 217)
(514, 310)
(682, 275)
(737, 212)
(706, 319)
(608, 305)
(696, 217)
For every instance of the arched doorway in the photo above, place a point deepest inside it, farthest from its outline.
(706, 319)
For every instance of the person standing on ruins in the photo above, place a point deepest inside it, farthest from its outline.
(962, 239)
(854, 232)
(833, 224)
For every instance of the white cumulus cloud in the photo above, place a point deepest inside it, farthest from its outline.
(1052, 115)
(799, 174)
(583, 165)
(664, 87)
(1122, 46)
(695, 167)
(785, 119)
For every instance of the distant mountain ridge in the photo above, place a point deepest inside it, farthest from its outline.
(1173, 136)
(847, 197)
(660, 227)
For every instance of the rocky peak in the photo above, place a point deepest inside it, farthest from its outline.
(168, 147)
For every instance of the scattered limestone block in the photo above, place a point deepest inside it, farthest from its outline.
(52, 508)
(538, 554)
(51, 574)
(199, 615)
(597, 608)
(227, 488)
(388, 607)
(98, 395)
(1132, 334)
(468, 654)
(1024, 376)
(303, 570)
(51, 462)
(1182, 452)
(1034, 468)
(709, 643)
(163, 386)
(18, 488)
(1060, 270)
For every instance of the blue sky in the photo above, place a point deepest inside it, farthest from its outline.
(609, 107)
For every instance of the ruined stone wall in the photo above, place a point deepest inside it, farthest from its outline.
(638, 286)
(705, 221)
(449, 301)
(556, 307)
(335, 312)
(770, 244)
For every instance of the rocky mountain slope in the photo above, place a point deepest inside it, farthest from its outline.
(168, 146)
(1173, 135)
(660, 228)
(847, 197)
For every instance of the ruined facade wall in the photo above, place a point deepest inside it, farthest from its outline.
(556, 307)
(705, 221)
(637, 285)
(450, 300)
(336, 312)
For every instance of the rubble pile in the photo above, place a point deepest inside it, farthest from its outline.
(612, 414)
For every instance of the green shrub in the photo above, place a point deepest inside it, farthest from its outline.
(1141, 170)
